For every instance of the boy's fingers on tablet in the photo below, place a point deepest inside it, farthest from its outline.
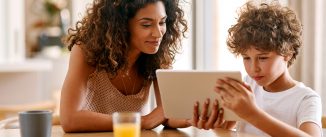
(240, 87)
(225, 98)
(229, 89)
(219, 90)
(227, 93)
(227, 104)
(246, 88)
(236, 86)
(221, 86)
(213, 116)
(246, 85)
(219, 82)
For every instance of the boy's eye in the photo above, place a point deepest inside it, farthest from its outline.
(246, 58)
(262, 58)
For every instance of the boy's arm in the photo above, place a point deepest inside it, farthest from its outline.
(240, 99)
(311, 128)
(309, 115)
(277, 128)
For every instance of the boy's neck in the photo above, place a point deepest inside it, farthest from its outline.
(282, 83)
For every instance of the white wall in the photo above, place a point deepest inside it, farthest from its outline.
(79, 9)
(13, 24)
(21, 80)
(2, 32)
(20, 88)
(55, 77)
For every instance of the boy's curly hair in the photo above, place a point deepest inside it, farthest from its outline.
(266, 27)
(103, 35)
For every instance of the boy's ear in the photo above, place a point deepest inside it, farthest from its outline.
(287, 57)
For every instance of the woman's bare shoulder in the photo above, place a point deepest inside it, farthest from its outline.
(78, 60)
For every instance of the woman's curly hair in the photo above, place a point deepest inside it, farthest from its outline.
(103, 35)
(266, 27)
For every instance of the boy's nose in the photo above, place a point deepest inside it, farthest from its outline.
(255, 67)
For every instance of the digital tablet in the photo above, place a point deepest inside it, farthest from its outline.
(180, 90)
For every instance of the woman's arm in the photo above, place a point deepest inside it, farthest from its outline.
(72, 117)
(156, 117)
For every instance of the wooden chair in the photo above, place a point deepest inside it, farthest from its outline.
(12, 122)
(9, 113)
(323, 121)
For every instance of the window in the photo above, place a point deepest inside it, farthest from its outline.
(212, 20)
(226, 16)
(184, 60)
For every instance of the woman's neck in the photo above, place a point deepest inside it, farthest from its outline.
(133, 55)
(131, 59)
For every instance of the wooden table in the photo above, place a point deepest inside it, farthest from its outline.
(157, 132)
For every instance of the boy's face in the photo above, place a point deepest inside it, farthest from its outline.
(264, 67)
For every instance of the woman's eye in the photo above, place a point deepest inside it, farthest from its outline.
(146, 25)
(162, 23)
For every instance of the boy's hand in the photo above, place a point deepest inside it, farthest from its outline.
(237, 97)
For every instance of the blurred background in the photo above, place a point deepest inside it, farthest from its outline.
(34, 61)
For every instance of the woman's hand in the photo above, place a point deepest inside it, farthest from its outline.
(177, 123)
(153, 119)
(236, 96)
(213, 120)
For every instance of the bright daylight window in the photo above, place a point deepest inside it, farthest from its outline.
(205, 48)
(226, 17)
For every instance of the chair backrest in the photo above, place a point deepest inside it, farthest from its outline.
(7, 111)
(323, 121)
(11, 122)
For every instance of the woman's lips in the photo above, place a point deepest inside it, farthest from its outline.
(155, 43)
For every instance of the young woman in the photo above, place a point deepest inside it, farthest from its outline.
(115, 50)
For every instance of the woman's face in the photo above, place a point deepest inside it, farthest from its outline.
(147, 28)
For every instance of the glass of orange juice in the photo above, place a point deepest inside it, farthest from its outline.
(126, 124)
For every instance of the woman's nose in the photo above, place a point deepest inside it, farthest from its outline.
(157, 32)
